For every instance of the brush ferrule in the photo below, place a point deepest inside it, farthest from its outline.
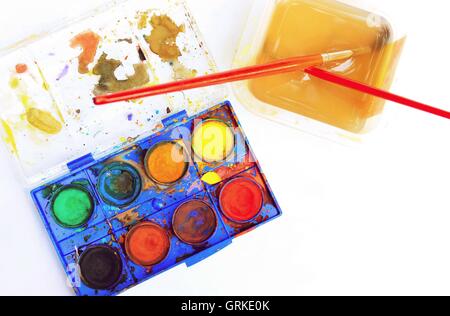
(329, 57)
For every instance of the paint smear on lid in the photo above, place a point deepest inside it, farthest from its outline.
(46, 87)
(143, 20)
(163, 38)
(181, 71)
(14, 83)
(21, 68)
(108, 82)
(63, 73)
(88, 41)
(43, 121)
(163, 42)
(8, 137)
(40, 119)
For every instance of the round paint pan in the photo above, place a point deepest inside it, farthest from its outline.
(100, 267)
(241, 200)
(166, 163)
(119, 184)
(213, 140)
(147, 244)
(72, 206)
(194, 222)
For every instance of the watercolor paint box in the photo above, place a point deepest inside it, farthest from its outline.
(133, 189)
(195, 216)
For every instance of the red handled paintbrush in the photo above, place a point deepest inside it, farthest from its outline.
(270, 69)
(302, 63)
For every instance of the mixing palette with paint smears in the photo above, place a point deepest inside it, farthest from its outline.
(131, 190)
(47, 84)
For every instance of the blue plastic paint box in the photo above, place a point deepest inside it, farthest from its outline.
(130, 190)
(109, 225)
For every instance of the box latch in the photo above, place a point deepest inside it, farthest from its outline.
(81, 162)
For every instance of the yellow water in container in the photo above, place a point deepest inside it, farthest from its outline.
(304, 27)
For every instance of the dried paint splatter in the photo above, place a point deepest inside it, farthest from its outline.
(63, 73)
(163, 42)
(21, 68)
(43, 120)
(105, 68)
(163, 38)
(143, 19)
(89, 42)
(9, 137)
(40, 119)
(130, 217)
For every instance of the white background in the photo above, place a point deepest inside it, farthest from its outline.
(374, 219)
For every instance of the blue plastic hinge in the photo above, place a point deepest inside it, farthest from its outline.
(175, 118)
(80, 162)
(207, 253)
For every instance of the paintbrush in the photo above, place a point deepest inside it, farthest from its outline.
(269, 69)
(303, 63)
(362, 87)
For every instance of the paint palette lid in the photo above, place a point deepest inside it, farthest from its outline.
(48, 81)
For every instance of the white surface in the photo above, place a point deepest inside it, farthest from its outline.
(367, 220)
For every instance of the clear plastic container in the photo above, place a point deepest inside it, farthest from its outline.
(286, 28)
